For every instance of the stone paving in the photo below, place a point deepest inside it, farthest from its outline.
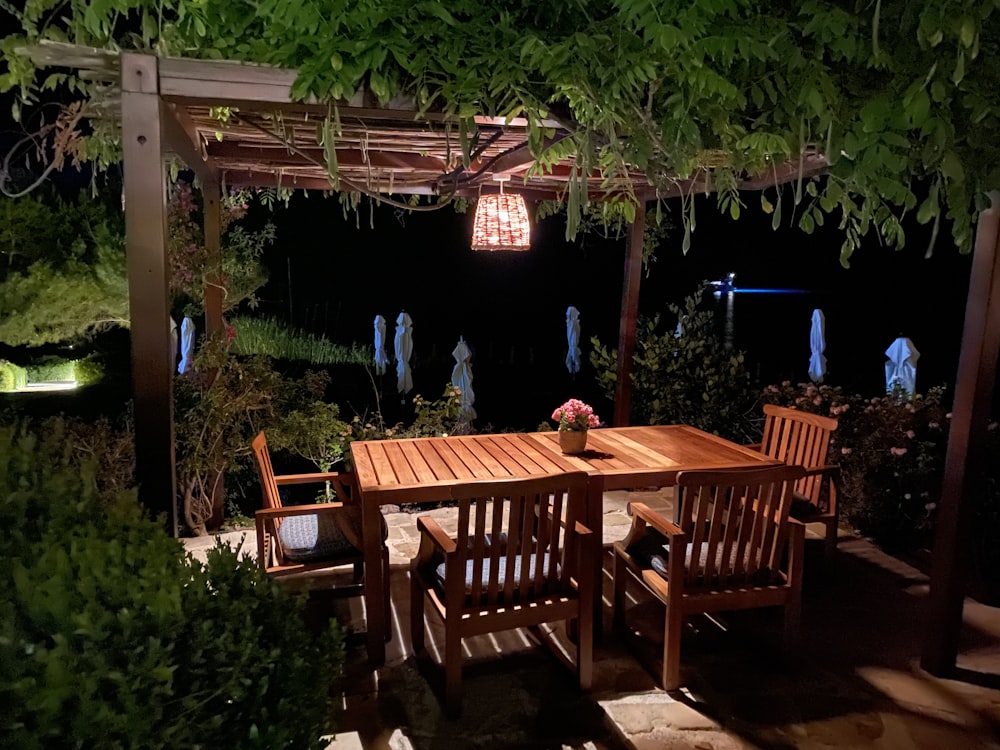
(857, 683)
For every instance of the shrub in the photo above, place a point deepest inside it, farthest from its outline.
(12, 377)
(88, 371)
(51, 369)
(891, 451)
(687, 376)
(111, 636)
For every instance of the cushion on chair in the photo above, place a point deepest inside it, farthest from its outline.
(313, 538)
(652, 551)
(440, 572)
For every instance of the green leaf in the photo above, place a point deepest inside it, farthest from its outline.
(951, 167)
(967, 32)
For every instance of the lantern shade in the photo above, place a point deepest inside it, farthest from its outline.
(501, 223)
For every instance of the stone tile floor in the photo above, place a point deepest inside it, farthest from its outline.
(857, 683)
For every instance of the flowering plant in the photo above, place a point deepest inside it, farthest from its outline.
(575, 415)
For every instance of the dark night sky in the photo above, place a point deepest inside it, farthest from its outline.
(511, 307)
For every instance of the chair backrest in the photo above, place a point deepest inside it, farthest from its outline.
(516, 539)
(798, 438)
(736, 521)
(268, 487)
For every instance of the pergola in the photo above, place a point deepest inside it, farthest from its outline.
(171, 106)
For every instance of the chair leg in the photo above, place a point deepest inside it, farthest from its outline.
(672, 646)
(416, 614)
(620, 583)
(452, 669)
(387, 601)
(792, 625)
(585, 646)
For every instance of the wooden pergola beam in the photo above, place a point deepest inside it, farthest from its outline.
(279, 156)
(149, 300)
(181, 138)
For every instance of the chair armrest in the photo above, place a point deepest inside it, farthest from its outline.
(831, 469)
(314, 478)
(647, 515)
(754, 446)
(298, 510)
(432, 531)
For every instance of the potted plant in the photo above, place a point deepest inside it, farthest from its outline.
(574, 418)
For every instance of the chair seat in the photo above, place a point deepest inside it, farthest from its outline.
(441, 570)
(651, 551)
(313, 538)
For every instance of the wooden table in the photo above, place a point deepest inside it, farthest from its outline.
(423, 470)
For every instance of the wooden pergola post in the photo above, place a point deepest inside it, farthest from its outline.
(149, 298)
(629, 317)
(963, 464)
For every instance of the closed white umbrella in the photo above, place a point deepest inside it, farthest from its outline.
(403, 345)
(381, 357)
(573, 339)
(901, 367)
(187, 346)
(461, 378)
(817, 343)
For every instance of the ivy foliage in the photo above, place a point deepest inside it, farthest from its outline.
(64, 275)
(892, 92)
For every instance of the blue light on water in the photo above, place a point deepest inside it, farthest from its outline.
(743, 290)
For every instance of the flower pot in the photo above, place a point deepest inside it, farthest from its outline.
(573, 441)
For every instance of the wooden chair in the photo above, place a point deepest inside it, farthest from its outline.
(733, 547)
(520, 558)
(308, 546)
(799, 438)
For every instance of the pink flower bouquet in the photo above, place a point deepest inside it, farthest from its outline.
(575, 415)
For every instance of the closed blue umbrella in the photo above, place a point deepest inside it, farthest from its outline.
(461, 378)
(187, 346)
(381, 357)
(901, 367)
(817, 345)
(573, 339)
(403, 345)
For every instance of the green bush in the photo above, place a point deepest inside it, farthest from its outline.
(691, 378)
(12, 377)
(88, 371)
(891, 451)
(112, 637)
(51, 370)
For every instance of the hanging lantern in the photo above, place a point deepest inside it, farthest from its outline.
(501, 223)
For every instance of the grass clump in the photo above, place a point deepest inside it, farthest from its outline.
(279, 340)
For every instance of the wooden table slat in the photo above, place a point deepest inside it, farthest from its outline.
(415, 458)
(472, 461)
(496, 468)
(445, 449)
(401, 467)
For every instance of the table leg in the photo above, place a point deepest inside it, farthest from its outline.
(371, 529)
(595, 522)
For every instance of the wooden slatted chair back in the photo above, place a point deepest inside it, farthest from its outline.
(269, 487)
(798, 438)
(736, 522)
(514, 544)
